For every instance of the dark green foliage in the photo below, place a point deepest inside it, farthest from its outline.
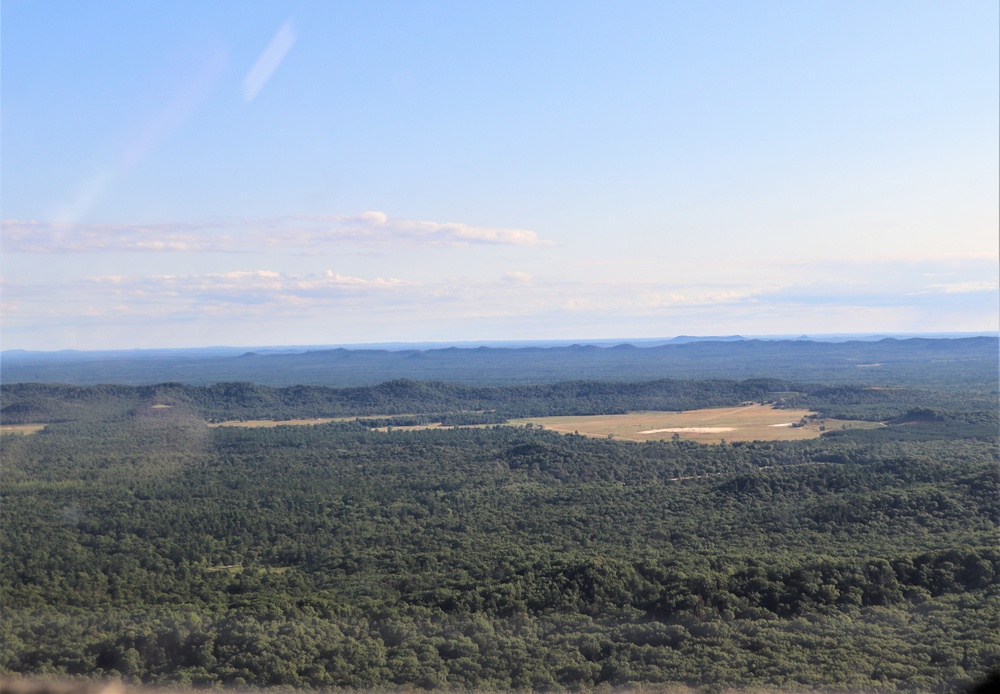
(140, 543)
(974, 414)
(225, 401)
(928, 424)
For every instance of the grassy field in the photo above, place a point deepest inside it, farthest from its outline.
(293, 422)
(414, 427)
(317, 420)
(746, 423)
(279, 423)
(21, 428)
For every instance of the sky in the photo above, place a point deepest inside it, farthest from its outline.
(185, 174)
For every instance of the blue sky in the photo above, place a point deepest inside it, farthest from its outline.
(247, 173)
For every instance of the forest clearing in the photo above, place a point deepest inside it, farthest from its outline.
(756, 422)
(254, 423)
(751, 422)
(21, 428)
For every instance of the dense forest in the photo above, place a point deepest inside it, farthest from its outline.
(462, 404)
(140, 543)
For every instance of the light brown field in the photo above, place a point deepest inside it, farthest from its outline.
(414, 427)
(279, 423)
(747, 423)
(21, 428)
(320, 420)
(324, 420)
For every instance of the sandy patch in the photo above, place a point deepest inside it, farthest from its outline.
(748, 423)
(21, 428)
(689, 430)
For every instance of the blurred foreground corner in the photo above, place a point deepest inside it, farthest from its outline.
(990, 685)
(41, 685)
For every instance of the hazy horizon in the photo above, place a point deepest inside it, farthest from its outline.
(513, 344)
(181, 174)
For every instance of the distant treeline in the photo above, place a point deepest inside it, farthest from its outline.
(943, 364)
(463, 404)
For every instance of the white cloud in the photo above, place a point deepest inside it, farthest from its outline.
(515, 293)
(819, 298)
(256, 286)
(704, 296)
(308, 233)
(518, 277)
(966, 287)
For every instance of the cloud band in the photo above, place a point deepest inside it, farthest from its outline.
(303, 232)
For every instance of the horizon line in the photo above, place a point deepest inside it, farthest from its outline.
(398, 345)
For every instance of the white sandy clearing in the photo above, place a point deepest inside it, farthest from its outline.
(689, 430)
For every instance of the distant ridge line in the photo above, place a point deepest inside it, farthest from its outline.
(943, 362)
(261, 350)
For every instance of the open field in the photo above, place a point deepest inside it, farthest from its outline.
(435, 425)
(316, 420)
(21, 428)
(324, 420)
(413, 427)
(746, 423)
(279, 423)
(304, 422)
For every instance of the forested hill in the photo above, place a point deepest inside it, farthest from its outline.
(953, 364)
(43, 403)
